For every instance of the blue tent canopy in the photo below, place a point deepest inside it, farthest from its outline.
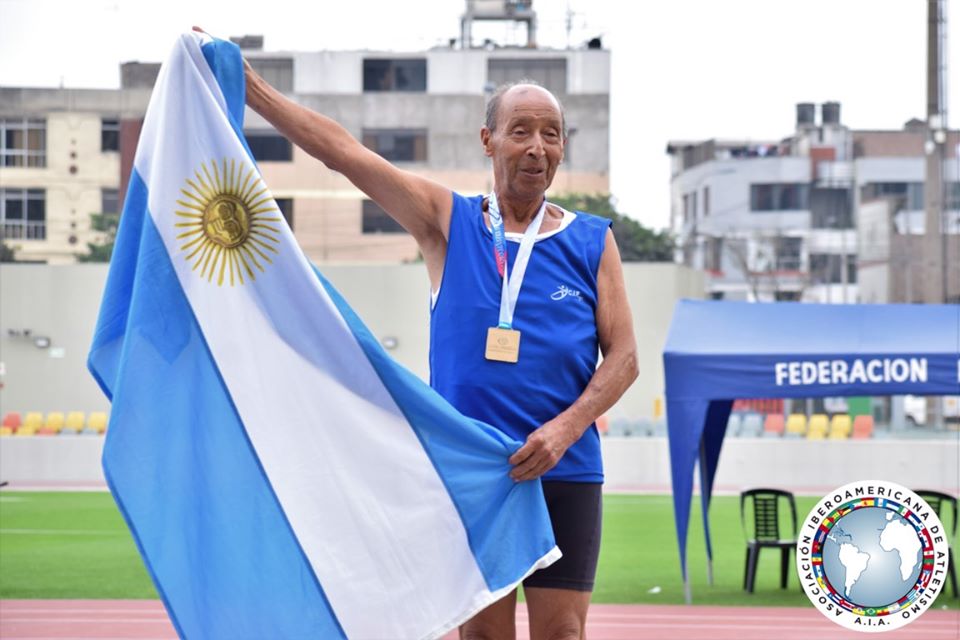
(720, 351)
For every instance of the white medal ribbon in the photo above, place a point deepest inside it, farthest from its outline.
(511, 284)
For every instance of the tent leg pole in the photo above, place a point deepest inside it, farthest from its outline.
(710, 571)
(687, 595)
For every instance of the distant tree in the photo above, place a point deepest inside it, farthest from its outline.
(6, 253)
(105, 223)
(636, 242)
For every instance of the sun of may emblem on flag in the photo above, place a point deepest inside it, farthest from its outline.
(230, 221)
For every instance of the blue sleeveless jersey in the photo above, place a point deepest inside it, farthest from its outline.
(556, 317)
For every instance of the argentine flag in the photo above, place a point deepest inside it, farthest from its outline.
(281, 475)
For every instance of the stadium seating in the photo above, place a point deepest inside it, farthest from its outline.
(12, 420)
(74, 423)
(840, 427)
(818, 426)
(752, 426)
(862, 427)
(796, 426)
(603, 424)
(773, 425)
(32, 422)
(52, 425)
(733, 425)
(96, 422)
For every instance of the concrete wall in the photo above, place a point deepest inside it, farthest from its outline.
(797, 465)
(61, 303)
(631, 464)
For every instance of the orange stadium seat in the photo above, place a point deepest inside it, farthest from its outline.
(12, 420)
(862, 427)
(773, 425)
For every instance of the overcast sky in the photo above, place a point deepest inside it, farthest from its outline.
(682, 69)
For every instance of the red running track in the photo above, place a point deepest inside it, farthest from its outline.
(146, 619)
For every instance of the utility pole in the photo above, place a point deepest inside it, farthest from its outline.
(935, 235)
(934, 287)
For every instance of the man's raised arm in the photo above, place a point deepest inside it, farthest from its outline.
(421, 206)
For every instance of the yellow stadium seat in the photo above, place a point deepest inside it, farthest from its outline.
(75, 422)
(97, 421)
(33, 419)
(818, 427)
(796, 424)
(840, 426)
(52, 425)
(6, 431)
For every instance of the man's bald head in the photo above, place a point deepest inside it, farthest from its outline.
(493, 106)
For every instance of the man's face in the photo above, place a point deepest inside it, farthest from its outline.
(527, 144)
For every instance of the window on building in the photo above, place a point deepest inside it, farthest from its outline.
(826, 268)
(788, 253)
(277, 71)
(713, 258)
(109, 201)
(286, 209)
(779, 197)
(376, 220)
(397, 145)
(831, 209)
(690, 207)
(23, 214)
(269, 146)
(23, 142)
(395, 74)
(786, 296)
(706, 201)
(551, 73)
(109, 134)
(952, 201)
(910, 192)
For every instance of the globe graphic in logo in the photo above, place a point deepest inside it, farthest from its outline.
(872, 557)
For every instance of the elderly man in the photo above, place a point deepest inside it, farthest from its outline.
(526, 364)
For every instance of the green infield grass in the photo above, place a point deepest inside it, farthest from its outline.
(76, 545)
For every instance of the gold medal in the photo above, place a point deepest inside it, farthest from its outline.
(503, 345)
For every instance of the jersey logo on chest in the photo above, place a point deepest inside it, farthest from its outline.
(564, 292)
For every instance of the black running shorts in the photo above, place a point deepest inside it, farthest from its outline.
(576, 509)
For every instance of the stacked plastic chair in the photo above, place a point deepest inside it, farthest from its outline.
(818, 427)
